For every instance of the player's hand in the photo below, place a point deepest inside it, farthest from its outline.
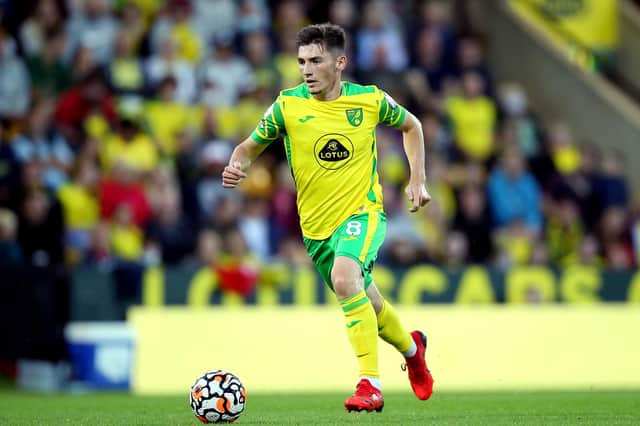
(232, 175)
(418, 196)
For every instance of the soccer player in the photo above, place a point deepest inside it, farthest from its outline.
(328, 127)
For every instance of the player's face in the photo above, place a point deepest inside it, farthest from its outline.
(320, 69)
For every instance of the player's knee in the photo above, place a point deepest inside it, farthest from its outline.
(346, 277)
(344, 284)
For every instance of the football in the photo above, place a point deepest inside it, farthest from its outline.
(217, 397)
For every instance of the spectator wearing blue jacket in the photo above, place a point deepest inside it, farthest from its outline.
(514, 194)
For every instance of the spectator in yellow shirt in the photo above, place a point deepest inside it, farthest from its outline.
(131, 146)
(286, 60)
(127, 239)
(165, 118)
(125, 71)
(80, 208)
(473, 118)
(563, 230)
(176, 24)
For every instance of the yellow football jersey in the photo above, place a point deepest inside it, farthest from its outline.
(331, 149)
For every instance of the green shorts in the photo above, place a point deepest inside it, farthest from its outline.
(359, 237)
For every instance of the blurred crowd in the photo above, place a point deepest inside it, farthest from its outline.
(117, 117)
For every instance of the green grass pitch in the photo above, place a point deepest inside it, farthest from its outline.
(444, 408)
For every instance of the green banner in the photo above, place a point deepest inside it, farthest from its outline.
(97, 294)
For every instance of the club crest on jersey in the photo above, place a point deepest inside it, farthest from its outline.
(333, 151)
(354, 116)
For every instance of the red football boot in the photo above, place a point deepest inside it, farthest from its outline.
(419, 375)
(367, 398)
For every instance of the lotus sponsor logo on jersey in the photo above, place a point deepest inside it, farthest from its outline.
(354, 116)
(333, 151)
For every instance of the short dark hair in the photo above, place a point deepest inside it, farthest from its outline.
(328, 35)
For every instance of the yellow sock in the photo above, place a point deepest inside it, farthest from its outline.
(362, 329)
(390, 328)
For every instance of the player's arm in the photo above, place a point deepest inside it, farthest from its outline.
(396, 116)
(271, 126)
(413, 143)
(241, 158)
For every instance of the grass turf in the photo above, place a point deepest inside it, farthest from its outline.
(444, 408)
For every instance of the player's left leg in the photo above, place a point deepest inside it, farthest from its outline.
(412, 345)
(390, 328)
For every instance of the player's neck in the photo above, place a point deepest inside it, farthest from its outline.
(331, 94)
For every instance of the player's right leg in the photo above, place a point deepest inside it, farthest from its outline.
(344, 275)
(362, 330)
(412, 345)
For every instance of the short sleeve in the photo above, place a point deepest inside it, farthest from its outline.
(390, 114)
(271, 125)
